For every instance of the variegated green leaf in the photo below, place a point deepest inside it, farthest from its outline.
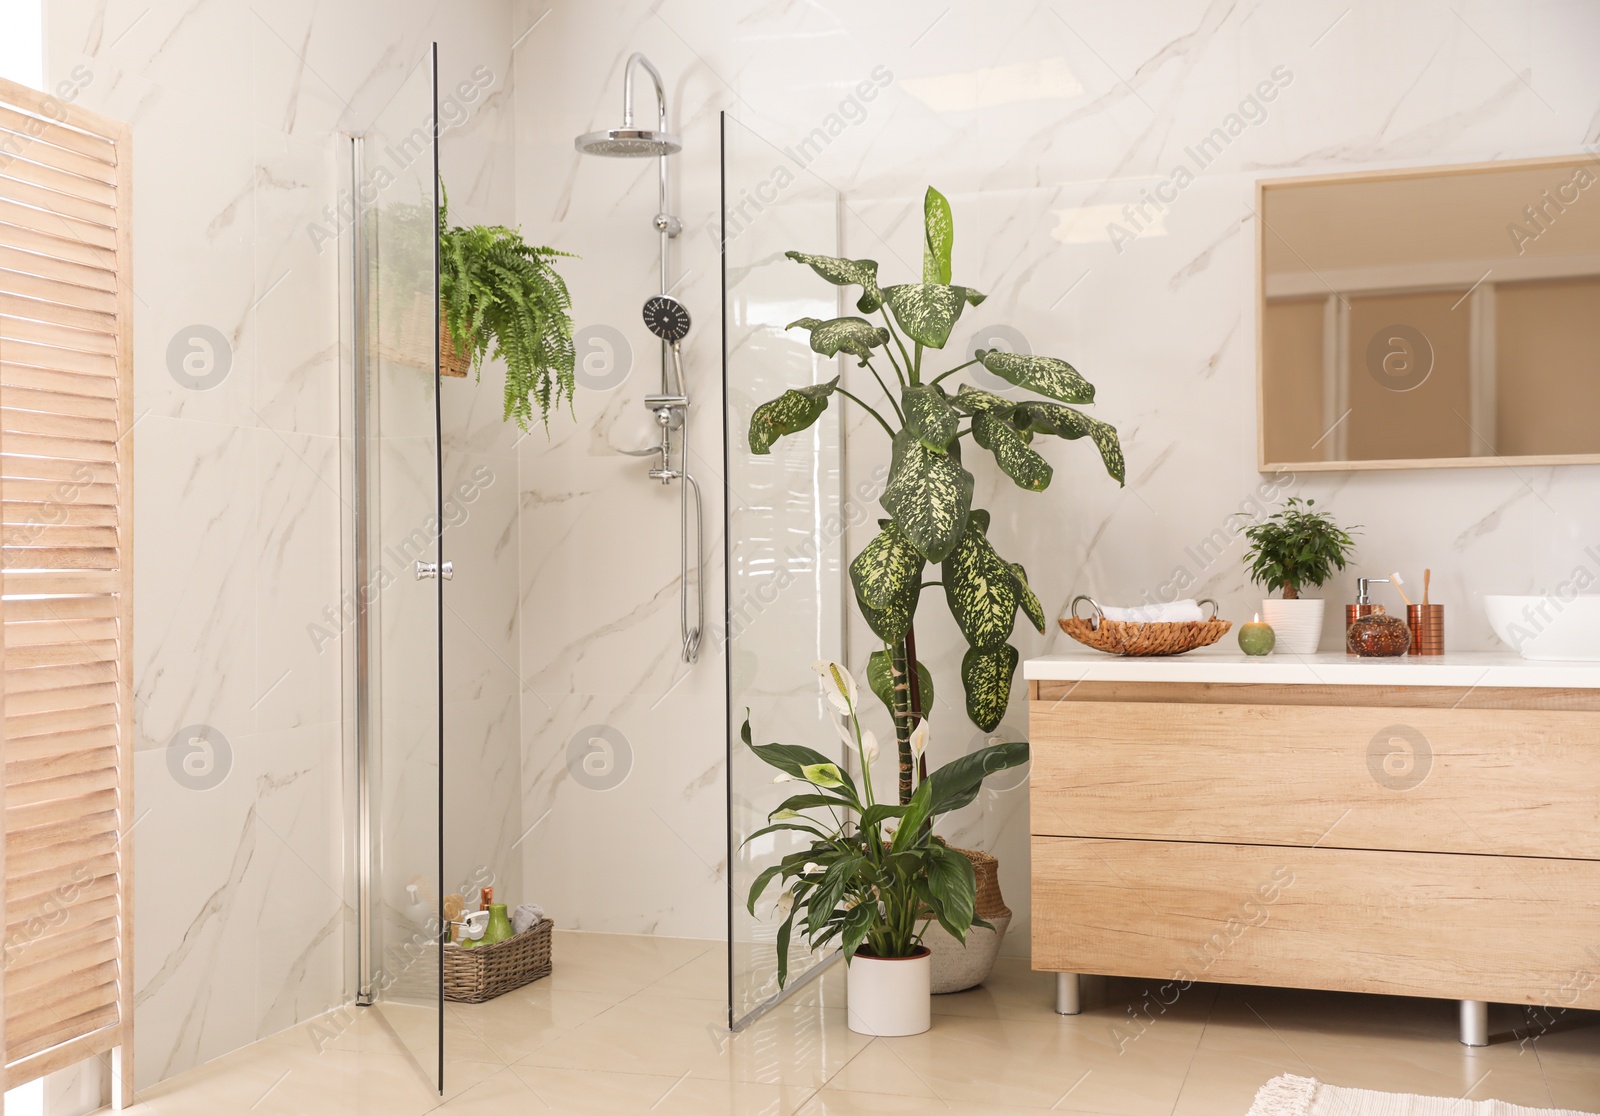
(792, 411)
(892, 622)
(844, 273)
(1030, 603)
(981, 590)
(972, 401)
(880, 677)
(885, 567)
(986, 674)
(1011, 451)
(929, 495)
(855, 336)
(1064, 422)
(1045, 375)
(928, 311)
(939, 234)
(929, 416)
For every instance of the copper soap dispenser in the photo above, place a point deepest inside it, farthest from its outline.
(1370, 631)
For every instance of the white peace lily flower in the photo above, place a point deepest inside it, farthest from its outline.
(786, 902)
(845, 730)
(837, 685)
(812, 866)
(869, 746)
(783, 777)
(919, 739)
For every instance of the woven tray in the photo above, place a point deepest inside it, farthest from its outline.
(481, 973)
(1116, 637)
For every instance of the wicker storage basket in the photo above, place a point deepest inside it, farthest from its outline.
(958, 966)
(1116, 637)
(452, 361)
(990, 904)
(481, 973)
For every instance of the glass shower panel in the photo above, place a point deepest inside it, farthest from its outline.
(786, 527)
(398, 403)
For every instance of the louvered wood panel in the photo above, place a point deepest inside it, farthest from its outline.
(65, 587)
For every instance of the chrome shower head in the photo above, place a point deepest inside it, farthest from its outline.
(628, 143)
(666, 317)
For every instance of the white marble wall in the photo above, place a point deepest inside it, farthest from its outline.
(242, 901)
(1040, 122)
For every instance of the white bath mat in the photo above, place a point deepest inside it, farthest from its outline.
(1305, 1096)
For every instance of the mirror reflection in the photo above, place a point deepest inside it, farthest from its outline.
(1441, 317)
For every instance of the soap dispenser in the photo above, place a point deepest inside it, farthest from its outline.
(1363, 605)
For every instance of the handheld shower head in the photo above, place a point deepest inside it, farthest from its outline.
(666, 317)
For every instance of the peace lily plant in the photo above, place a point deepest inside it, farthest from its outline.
(929, 491)
(873, 874)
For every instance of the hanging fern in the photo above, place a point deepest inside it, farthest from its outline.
(503, 294)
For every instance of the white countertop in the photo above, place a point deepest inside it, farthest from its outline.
(1216, 664)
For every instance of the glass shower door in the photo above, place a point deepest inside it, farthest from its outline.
(400, 568)
(787, 532)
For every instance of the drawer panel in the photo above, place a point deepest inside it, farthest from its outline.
(1486, 781)
(1502, 929)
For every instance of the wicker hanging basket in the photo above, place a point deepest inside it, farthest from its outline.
(481, 973)
(409, 341)
(1117, 637)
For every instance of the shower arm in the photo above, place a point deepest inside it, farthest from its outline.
(668, 225)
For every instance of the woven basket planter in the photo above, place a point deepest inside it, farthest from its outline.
(481, 973)
(957, 967)
(452, 361)
(409, 341)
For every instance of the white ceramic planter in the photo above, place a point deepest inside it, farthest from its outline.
(889, 995)
(1296, 623)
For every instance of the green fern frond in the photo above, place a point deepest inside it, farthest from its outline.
(503, 298)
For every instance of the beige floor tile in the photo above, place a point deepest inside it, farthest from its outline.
(1070, 1061)
(878, 1069)
(618, 964)
(513, 1026)
(841, 1102)
(284, 1082)
(1574, 1083)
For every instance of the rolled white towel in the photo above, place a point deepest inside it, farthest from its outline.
(1173, 612)
(525, 916)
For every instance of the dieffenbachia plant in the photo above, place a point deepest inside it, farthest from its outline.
(929, 491)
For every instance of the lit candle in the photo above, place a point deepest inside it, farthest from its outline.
(1256, 638)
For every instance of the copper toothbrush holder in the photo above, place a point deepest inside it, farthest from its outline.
(1427, 628)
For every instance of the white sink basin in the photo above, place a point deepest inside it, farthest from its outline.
(1548, 627)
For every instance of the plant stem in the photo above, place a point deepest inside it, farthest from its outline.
(953, 371)
(916, 369)
(895, 334)
(898, 413)
(916, 692)
(900, 692)
(859, 402)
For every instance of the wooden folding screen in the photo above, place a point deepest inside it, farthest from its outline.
(66, 388)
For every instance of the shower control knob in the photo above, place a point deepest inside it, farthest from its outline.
(666, 317)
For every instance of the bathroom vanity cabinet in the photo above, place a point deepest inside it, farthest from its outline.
(1414, 827)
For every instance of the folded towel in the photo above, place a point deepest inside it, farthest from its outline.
(525, 916)
(1174, 612)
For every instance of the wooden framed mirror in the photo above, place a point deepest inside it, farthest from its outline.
(1429, 318)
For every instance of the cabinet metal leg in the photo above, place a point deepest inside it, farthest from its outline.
(1067, 994)
(1474, 1023)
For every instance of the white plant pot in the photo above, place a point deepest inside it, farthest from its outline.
(889, 995)
(1297, 624)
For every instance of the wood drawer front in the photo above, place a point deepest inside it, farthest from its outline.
(1492, 781)
(1502, 929)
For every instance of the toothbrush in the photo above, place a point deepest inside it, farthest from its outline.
(1398, 582)
(1427, 576)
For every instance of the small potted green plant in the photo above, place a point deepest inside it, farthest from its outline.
(1295, 549)
(502, 296)
(873, 872)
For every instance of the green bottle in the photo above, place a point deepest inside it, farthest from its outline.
(499, 928)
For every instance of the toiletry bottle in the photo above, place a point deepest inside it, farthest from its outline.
(1362, 607)
(485, 897)
(499, 928)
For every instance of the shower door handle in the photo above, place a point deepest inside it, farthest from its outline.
(446, 570)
